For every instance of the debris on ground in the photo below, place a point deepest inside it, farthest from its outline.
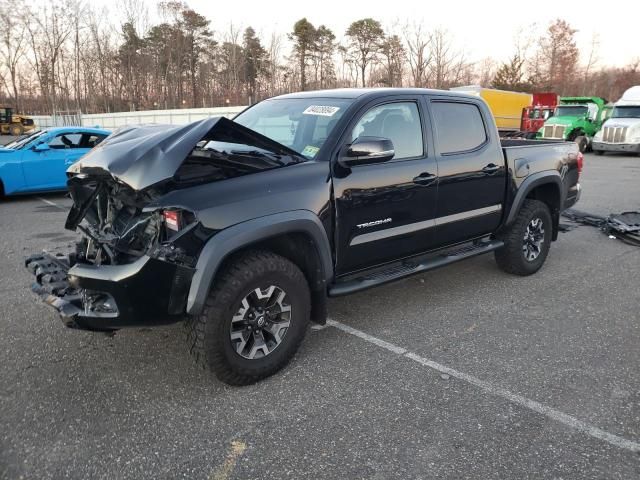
(566, 227)
(624, 226)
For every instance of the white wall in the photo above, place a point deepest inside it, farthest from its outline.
(111, 121)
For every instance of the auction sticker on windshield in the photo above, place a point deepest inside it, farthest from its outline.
(322, 110)
(310, 151)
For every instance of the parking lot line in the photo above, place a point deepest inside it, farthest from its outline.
(49, 202)
(537, 407)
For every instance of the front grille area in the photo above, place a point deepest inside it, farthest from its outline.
(614, 134)
(553, 131)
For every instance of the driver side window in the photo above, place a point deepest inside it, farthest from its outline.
(66, 140)
(399, 122)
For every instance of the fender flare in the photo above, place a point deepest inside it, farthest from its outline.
(242, 234)
(531, 182)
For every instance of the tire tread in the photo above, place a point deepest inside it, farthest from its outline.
(204, 332)
(510, 258)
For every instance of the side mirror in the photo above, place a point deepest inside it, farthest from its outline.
(366, 150)
(41, 147)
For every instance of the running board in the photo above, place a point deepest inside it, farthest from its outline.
(410, 267)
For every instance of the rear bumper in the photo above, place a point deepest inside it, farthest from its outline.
(146, 292)
(616, 147)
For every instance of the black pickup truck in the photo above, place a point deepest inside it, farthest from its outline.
(243, 228)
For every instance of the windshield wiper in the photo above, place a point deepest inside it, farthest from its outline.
(277, 159)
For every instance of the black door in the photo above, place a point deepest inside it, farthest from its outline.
(386, 211)
(471, 170)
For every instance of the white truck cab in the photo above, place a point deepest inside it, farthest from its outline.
(621, 132)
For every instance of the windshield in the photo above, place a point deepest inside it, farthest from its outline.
(23, 141)
(571, 111)
(302, 124)
(626, 112)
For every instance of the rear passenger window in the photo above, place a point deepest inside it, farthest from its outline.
(459, 126)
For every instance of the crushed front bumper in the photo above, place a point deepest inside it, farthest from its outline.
(146, 292)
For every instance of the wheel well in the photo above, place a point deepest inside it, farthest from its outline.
(575, 134)
(300, 249)
(550, 195)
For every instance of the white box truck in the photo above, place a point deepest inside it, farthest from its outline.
(621, 132)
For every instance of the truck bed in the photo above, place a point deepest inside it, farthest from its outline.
(525, 158)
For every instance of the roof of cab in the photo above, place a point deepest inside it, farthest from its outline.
(353, 93)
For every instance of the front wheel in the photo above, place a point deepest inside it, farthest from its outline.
(527, 240)
(254, 319)
(16, 130)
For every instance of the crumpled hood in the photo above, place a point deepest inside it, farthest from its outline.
(141, 156)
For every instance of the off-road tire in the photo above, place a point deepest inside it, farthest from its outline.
(16, 130)
(511, 257)
(208, 334)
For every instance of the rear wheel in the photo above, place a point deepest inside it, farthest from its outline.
(254, 319)
(527, 240)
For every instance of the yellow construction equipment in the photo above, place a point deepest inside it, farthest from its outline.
(506, 106)
(13, 123)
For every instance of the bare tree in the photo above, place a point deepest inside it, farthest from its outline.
(485, 71)
(418, 53)
(393, 58)
(591, 61)
(448, 64)
(49, 28)
(274, 51)
(13, 44)
(558, 57)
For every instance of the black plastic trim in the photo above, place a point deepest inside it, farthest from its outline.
(243, 234)
(531, 182)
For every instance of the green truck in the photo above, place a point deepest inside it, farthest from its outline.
(576, 119)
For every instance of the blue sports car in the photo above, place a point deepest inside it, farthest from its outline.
(39, 161)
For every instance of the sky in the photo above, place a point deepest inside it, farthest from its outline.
(482, 28)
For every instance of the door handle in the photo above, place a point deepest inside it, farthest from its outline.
(491, 168)
(425, 178)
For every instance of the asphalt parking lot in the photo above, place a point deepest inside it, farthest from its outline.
(464, 372)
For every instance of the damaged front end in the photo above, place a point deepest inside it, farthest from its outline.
(132, 267)
(134, 263)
